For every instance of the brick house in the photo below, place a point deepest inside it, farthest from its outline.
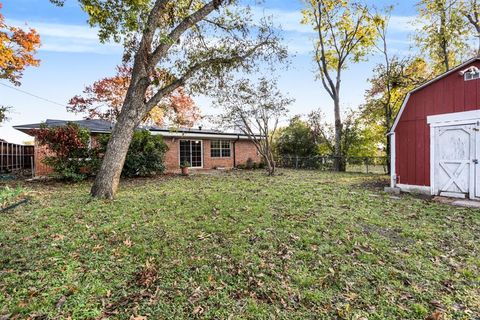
(203, 149)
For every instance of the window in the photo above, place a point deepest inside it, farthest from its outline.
(472, 75)
(191, 152)
(220, 149)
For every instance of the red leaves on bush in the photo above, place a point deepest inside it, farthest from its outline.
(62, 140)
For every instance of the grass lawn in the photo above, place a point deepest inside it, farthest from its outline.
(302, 245)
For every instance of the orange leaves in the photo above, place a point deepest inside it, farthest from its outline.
(104, 100)
(17, 49)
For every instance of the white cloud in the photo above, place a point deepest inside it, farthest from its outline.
(58, 37)
(288, 20)
(299, 37)
(403, 23)
(59, 30)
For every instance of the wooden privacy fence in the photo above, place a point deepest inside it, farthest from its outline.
(15, 157)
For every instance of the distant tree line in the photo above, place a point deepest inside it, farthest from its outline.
(311, 136)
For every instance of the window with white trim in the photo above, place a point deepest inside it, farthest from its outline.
(220, 149)
(472, 75)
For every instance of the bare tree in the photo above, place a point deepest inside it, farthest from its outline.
(256, 110)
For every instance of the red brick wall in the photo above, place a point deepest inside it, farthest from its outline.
(172, 161)
(41, 152)
(244, 149)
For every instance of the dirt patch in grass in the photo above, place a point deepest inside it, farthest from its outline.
(377, 184)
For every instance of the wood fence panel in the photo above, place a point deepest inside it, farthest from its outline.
(14, 157)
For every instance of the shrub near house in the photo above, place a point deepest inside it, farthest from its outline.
(146, 154)
(70, 157)
(74, 156)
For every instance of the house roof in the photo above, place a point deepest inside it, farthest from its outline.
(443, 75)
(93, 125)
(103, 126)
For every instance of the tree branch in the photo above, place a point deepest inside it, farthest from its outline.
(196, 67)
(183, 26)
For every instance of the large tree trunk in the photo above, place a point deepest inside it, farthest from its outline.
(339, 160)
(108, 177)
(444, 43)
(477, 28)
(133, 111)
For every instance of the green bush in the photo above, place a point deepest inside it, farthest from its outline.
(145, 156)
(75, 159)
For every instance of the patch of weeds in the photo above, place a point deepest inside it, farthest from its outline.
(11, 195)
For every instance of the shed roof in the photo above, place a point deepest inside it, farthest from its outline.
(439, 77)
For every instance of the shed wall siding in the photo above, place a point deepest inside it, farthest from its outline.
(412, 135)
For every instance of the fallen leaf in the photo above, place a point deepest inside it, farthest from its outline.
(127, 242)
(437, 315)
(57, 237)
(61, 302)
(198, 310)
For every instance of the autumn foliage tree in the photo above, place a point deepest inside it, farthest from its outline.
(104, 100)
(442, 33)
(345, 33)
(389, 84)
(17, 50)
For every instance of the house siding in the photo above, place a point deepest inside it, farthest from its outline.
(41, 152)
(244, 150)
(412, 134)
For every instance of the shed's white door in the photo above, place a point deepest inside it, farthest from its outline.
(476, 162)
(454, 160)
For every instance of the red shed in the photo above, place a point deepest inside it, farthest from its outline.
(436, 136)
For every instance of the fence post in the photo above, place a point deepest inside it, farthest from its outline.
(296, 162)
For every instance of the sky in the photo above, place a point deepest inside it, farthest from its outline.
(72, 57)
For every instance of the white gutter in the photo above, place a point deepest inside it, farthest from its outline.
(393, 174)
(174, 134)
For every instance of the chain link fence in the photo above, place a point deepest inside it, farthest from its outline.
(353, 164)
